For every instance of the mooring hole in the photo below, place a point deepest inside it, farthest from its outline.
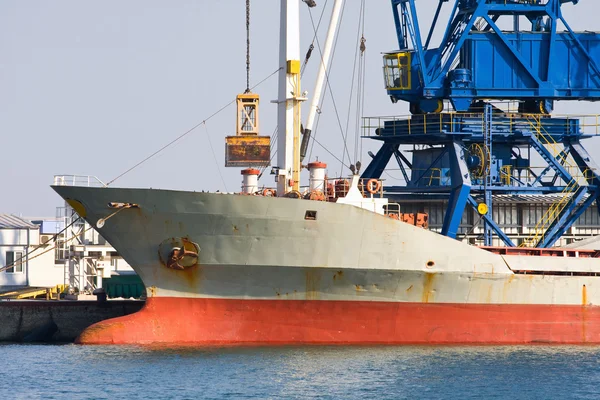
(310, 215)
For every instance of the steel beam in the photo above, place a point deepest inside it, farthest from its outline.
(399, 158)
(461, 187)
(568, 217)
(550, 159)
(585, 163)
(539, 178)
(380, 161)
(488, 219)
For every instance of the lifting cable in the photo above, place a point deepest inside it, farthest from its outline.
(360, 41)
(247, 46)
(28, 256)
(274, 134)
(188, 131)
(273, 151)
(360, 95)
(329, 86)
(324, 148)
(214, 156)
(312, 43)
(333, 155)
(308, 54)
(315, 129)
(362, 48)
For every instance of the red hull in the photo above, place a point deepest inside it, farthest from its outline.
(274, 322)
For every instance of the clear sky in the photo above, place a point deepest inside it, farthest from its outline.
(93, 87)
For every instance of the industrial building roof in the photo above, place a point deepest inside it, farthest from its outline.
(8, 221)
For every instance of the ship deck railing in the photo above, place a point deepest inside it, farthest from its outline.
(78, 180)
(546, 252)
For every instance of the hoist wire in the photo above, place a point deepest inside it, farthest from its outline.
(274, 137)
(315, 129)
(214, 156)
(312, 145)
(329, 85)
(178, 138)
(333, 155)
(362, 107)
(28, 254)
(28, 257)
(350, 102)
(312, 43)
(314, 140)
(247, 46)
(308, 54)
(350, 97)
(360, 96)
(358, 111)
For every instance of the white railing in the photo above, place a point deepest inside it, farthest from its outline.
(78, 180)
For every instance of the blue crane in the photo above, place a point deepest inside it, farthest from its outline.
(476, 59)
(477, 150)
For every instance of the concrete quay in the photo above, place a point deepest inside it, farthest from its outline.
(56, 321)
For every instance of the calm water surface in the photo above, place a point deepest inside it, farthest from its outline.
(111, 372)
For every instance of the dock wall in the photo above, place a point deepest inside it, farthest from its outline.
(56, 321)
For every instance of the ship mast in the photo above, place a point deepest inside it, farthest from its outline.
(289, 100)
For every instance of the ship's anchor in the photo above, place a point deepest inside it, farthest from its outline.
(178, 253)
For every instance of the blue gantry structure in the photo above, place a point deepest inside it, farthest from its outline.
(479, 148)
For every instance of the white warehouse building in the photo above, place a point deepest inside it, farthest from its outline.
(24, 261)
(41, 253)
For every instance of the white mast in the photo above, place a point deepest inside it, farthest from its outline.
(323, 65)
(288, 116)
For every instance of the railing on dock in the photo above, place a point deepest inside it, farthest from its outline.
(454, 122)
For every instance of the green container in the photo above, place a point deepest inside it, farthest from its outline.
(125, 286)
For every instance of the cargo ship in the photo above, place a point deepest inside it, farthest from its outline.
(332, 264)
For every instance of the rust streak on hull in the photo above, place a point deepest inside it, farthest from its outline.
(427, 287)
(192, 276)
(313, 282)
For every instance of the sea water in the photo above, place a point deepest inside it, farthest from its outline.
(473, 372)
